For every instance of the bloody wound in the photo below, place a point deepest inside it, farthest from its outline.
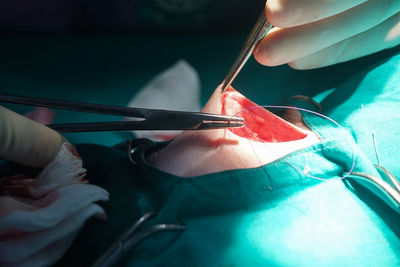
(261, 125)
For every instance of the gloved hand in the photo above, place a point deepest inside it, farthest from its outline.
(25, 141)
(317, 33)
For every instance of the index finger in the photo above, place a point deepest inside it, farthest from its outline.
(290, 13)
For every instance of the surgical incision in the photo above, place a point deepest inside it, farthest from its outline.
(261, 125)
(265, 138)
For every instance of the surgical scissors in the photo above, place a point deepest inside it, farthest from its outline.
(260, 29)
(148, 119)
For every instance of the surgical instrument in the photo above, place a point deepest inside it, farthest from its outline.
(148, 119)
(260, 29)
(389, 186)
(132, 237)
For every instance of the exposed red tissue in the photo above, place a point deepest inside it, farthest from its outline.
(260, 124)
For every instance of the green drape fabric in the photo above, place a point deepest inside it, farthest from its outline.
(273, 215)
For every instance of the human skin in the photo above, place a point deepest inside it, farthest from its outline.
(25, 141)
(316, 33)
(196, 153)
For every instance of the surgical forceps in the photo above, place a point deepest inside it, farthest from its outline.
(148, 119)
(260, 29)
(389, 186)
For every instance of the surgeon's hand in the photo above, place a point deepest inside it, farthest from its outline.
(25, 141)
(317, 33)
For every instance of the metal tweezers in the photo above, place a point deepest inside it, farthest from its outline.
(149, 119)
(260, 29)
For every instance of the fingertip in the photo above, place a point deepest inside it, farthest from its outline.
(276, 12)
(264, 54)
(273, 12)
(257, 55)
